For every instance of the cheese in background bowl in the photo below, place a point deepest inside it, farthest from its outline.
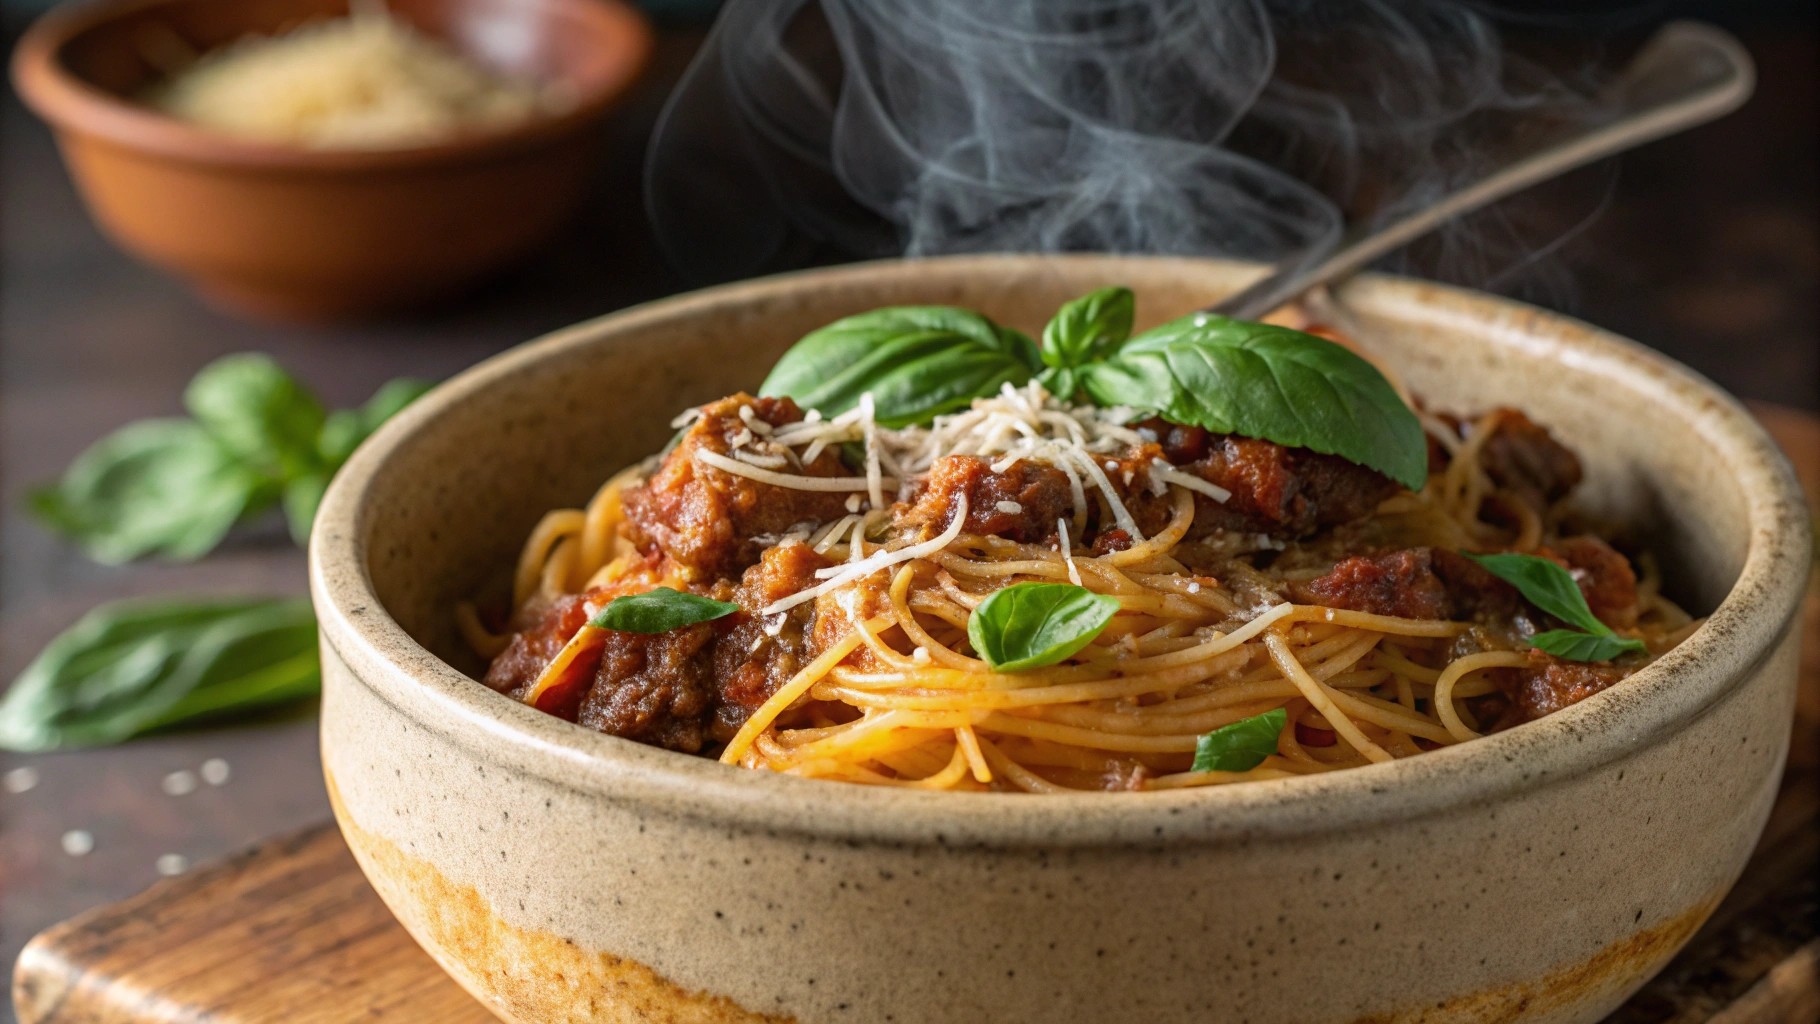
(367, 81)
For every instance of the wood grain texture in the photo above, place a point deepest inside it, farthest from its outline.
(291, 931)
(286, 931)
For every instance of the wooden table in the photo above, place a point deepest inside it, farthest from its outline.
(1708, 251)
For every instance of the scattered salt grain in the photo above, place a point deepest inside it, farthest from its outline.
(215, 771)
(78, 843)
(22, 779)
(1193, 587)
(180, 783)
(170, 864)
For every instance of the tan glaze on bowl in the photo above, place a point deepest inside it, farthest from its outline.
(300, 234)
(1540, 874)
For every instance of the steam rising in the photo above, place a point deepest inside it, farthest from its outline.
(852, 128)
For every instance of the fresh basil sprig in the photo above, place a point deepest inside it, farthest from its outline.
(1269, 382)
(1551, 588)
(659, 611)
(1241, 746)
(1028, 625)
(175, 487)
(1090, 328)
(133, 666)
(1229, 376)
(917, 361)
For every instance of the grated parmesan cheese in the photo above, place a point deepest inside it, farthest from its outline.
(847, 573)
(367, 81)
(795, 480)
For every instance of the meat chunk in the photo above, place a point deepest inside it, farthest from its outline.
(518, 666)
(1284, 492)
(1522, 458)
(655, 688)
(1401, 583)
(1605, 577)
(1020, 504)
(1414, 583)
(1549, 684)
(754, 658)
(708, 520)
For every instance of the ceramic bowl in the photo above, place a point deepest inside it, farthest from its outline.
(562, 875)
(302, 234)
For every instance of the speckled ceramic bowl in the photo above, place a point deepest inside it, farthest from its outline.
(562, 875)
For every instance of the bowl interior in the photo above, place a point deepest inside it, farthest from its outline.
(549, 422)
(123, 50)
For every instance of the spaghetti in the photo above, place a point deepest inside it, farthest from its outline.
(851, 660)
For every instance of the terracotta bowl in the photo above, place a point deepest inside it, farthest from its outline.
(310, 234)
(562, 875)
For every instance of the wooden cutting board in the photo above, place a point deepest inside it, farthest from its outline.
(290, 931)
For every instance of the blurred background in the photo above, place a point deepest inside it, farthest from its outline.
(1705, 246)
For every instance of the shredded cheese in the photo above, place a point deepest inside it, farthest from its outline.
(1067, 549)
(368, 81)
(794, 480)
(1163, 471)
(847, 573)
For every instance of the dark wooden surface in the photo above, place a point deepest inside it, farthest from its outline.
(1709, 250)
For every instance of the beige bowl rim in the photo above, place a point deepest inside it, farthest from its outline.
(1647, 709)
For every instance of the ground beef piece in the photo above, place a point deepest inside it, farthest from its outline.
(710, 521)
(1415, 583)
(1178, 443)
(1108, 541)
(1022, 504)
(1473, 592)
(1523, 459)
(1549, 684)
(750, 660)
(655, 688)
(1284, 492)
(518, 666)
(1401, 583)
(1605, 577)
(836, 611)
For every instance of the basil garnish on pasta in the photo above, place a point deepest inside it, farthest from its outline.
(915, 361)
(659, 611)
(1228, 376)
(1551, 588)
(1241, 746)
(1268, 382)
(1029, 625)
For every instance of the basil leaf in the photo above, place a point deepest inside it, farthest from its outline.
(1544, 584)
(1089, 328)
(917, 361)
(1241, 746)
(1062, 382)
(1551, 588)
(259, 413)
(659, 611)
(131, 666)
(1028, 625)
(1576, 646)
(1263, 381)
(301, 498)
(344, 429)
(162, 487)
